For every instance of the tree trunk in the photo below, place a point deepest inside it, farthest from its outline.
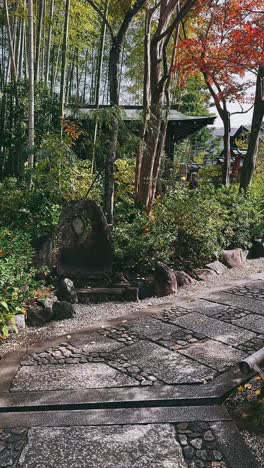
(258, 113)
(146, 95)
(149, 164)
(98, 83)
(227, 148)
(47, 67)
(64, 61)
(38, 44)
(31, 111)
(114, 61)
(10, 41)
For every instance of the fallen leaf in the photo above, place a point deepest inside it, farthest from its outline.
(240, 388)
(258, 392)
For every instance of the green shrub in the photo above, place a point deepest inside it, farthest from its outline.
(187, 228)
(17, 275)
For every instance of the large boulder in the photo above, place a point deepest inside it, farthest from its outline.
(85, 247)
(63, 310)
(183, 279)
(218, 267)
(234, 258)
(165, 282)
(66, 291)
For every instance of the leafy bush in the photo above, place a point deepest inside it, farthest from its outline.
(17, 275)
(188, 228)
(58, 177)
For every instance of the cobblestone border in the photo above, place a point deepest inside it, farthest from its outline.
(12, 442)
(230, 314)
(199, 446)
(66, 353)
(253, 292)
(252, 345)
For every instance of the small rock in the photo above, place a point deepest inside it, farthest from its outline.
(188, 453)
(183, 439)
(197, 443)
(182, 426)
(2, 447)
(217, 455)
(66, 291)
(209, 436)
(183, 279)
(218, 267)
(18, 431)
(20, 321)
(19, 445)
(152, 378)
(203, 455)
(204, 274)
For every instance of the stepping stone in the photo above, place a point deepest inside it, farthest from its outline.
(214, 354)
(94, 342)
(69, 377)
(220, 331)
(151, 328)
(151, 446)
(240, 302)
(251, 322)
(168, 366)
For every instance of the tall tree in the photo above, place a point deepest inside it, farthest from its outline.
(158, 72)
(10, 41)
(38, 39)
(31, 110)
(257, 118)
(47, 64)
(223, 44)
(64, 59)
(117, 42)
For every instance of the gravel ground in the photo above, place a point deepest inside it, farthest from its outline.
(90, 315)
(256, 443)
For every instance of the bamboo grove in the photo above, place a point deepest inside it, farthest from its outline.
(58, 53)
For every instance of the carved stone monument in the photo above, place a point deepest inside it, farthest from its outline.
(85, 247)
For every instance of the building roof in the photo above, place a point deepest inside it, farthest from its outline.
(219, 132)
(182, 125)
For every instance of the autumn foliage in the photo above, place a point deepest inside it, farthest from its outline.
(224, 39)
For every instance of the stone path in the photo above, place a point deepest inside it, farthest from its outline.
(139, 393)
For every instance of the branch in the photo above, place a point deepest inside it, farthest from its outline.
(179, 17)
(243, 111)
(127, 20)
(102, 16)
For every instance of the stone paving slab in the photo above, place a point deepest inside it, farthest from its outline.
(151, 328)
(241, 302)
(94, 342)
(168, 366)
(220, 331)
(214, 354)
(251, 322)
(75, 376)
(186, 437)
(222, 312)
(153, 446)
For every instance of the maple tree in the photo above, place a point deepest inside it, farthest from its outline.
(224, 41)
